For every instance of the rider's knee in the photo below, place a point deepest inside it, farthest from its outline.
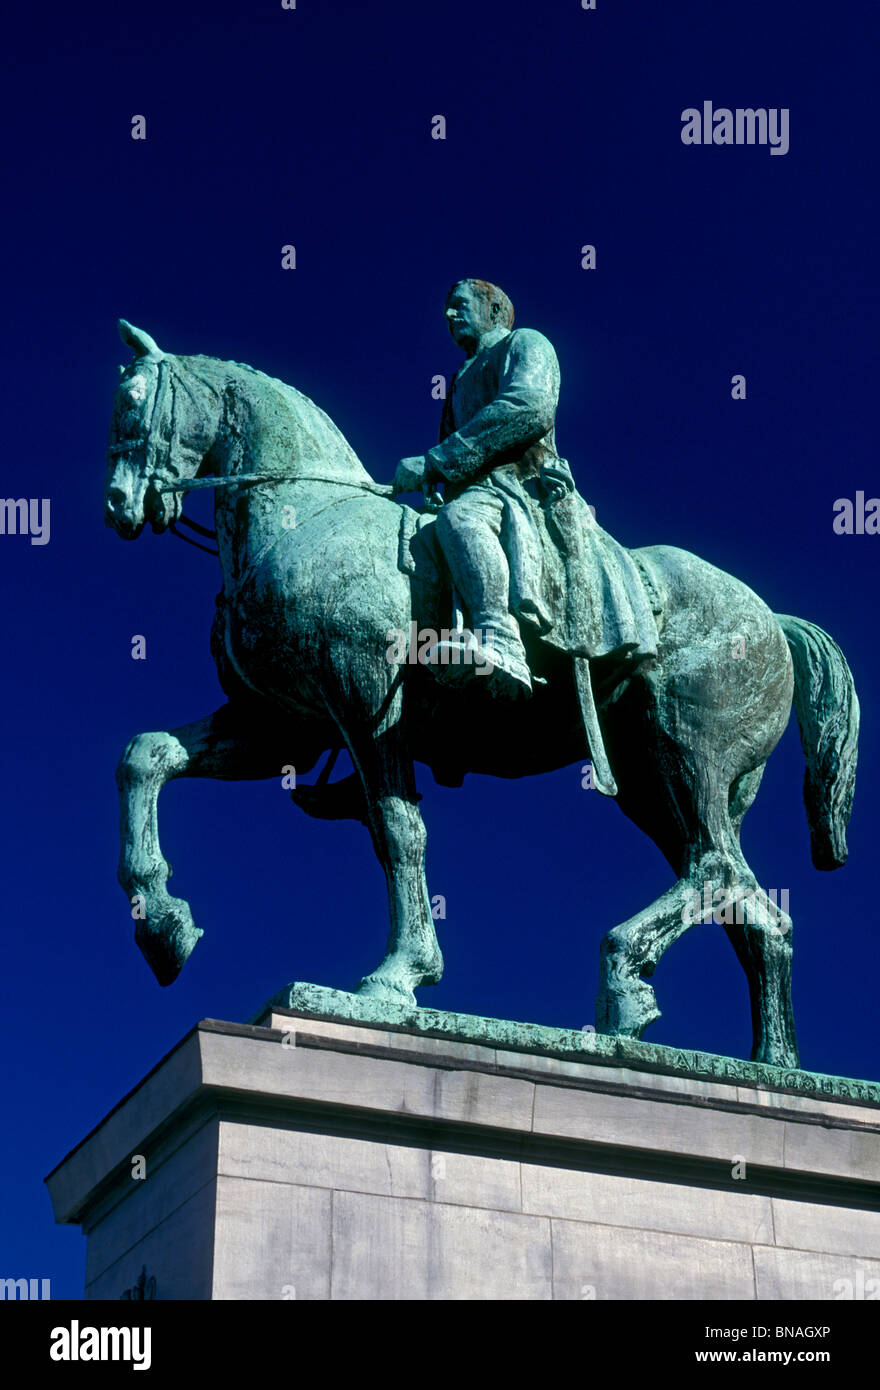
(475, 507)
(449, 518)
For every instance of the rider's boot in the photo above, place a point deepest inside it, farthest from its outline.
(492, 653)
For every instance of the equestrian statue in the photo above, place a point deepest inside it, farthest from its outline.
(495, 627)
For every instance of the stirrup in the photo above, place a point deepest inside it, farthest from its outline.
(505, 673)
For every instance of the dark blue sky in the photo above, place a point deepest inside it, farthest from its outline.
(312, 127)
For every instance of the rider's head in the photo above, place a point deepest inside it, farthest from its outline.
(474, 308)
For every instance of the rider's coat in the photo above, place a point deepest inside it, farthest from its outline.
(570, 580)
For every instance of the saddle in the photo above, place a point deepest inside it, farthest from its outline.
(573, 587)
(597, 603)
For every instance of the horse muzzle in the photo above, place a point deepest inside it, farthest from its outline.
(121, 515)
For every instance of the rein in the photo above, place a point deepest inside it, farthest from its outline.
(200, 530)
(192, 484)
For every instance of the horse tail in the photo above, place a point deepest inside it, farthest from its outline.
(827, 711)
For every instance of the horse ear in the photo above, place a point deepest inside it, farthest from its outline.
(141, 344)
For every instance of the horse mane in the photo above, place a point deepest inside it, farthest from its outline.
(308, 418)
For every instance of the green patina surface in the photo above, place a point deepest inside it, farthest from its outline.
(673, 678)
(569, 1044)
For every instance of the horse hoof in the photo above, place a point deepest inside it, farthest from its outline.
(625, 1011)
(386, 990)
(777, 1055)
(167, 941)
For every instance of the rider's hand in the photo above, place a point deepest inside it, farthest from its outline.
(410, 475)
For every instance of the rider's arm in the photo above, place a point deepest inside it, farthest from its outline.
(522, 412)
(446, 417)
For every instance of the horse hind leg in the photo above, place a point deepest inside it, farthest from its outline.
(689, 817)
(630, 953)
(716, 884)
(625, 1004)
(760, 932)
(761, 936)
(681, 806)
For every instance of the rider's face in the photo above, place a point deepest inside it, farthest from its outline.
(468, 315)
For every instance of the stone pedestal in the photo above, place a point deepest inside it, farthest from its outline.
(432, 1156)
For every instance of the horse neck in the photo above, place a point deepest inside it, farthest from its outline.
(269, 427)
(268, 430)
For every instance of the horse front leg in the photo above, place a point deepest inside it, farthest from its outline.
(412, 954)
(216, 746)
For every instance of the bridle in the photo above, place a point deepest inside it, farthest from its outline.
(163, 480)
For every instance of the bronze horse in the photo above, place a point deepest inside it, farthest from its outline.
(320, 565)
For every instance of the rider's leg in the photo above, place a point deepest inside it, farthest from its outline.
(469, 531)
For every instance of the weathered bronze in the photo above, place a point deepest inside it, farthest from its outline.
(336, 599)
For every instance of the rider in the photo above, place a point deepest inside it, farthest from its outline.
(496, 433)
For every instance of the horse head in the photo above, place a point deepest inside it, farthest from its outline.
(162, 428)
